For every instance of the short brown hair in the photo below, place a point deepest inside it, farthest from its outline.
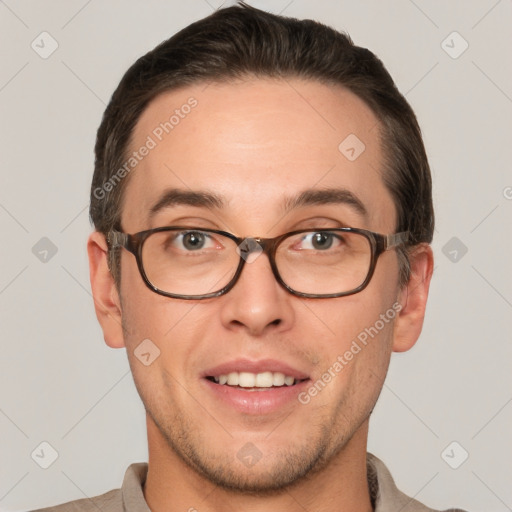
(242, 41)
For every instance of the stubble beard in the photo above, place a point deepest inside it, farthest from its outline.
(288, 468)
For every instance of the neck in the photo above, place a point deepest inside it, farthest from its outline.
(172, 485)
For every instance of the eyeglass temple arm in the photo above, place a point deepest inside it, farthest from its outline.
(395, 239)
(116, 239)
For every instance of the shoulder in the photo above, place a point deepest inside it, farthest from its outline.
(108, 502)
(385, 493)
(131, 493)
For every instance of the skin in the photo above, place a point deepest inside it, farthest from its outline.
(255, 142)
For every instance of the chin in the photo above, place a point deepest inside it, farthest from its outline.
(247, 470)
(264, 478)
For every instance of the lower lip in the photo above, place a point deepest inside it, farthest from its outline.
(256, 402)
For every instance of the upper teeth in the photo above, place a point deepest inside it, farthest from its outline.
(255, 380)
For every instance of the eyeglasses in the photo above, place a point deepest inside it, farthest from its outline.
(196, 263)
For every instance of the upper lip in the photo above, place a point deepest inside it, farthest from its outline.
(260, 366)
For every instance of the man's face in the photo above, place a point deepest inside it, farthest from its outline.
(257, 145)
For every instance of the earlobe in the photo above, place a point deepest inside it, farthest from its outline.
(104, 291)
(413, 298)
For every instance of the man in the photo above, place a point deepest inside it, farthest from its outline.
(263, 214)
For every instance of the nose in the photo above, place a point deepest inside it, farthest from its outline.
(257, 303)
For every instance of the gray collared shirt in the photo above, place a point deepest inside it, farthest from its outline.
(383, 492)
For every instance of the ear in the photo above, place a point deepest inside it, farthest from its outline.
(413, 299)
(104, 291)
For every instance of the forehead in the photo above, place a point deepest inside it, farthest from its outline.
(257, 143)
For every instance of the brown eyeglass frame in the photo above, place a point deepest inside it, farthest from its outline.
(379, 243)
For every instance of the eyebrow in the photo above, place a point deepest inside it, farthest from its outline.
(209, 200)
(177, 197)
(313, 197)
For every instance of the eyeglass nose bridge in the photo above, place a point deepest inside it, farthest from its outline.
(251, 247)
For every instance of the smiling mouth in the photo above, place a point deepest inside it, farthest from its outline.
(252, 381)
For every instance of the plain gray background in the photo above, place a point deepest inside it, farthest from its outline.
(62, 385)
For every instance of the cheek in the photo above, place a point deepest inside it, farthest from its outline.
(147, 314)
(365, 362)
(355, 354)
(161, 334)
(160, 339)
